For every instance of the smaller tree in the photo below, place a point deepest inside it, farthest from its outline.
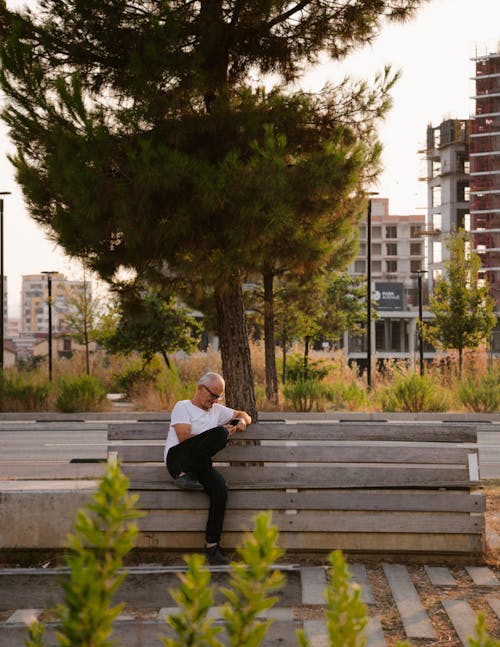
(463, 310)
(151, 321)
(85, 317)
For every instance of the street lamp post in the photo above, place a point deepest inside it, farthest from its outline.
(420, 320)
(49, 304)
(2, 321)
(369, 292)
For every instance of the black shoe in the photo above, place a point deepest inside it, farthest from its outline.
(188, 482)
(215, 556)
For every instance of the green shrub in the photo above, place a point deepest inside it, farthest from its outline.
(414, 393)
(481, 395)
(298, 370)
(349, 396)
(103, 536)
(251, 582)
(84, 393)
(303, 395)
(134, 375)
(18, 394)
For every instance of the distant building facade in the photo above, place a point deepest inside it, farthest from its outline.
(485, 173)
(398, 254)
(34, 302)
(448, 190)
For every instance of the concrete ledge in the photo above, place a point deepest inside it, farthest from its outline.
(43, 516)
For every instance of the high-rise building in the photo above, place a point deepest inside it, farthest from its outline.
(485, 166)
(448, 192)
(34, 302)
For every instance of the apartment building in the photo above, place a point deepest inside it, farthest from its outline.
(485, 167)
(398, 254)
(34, 302)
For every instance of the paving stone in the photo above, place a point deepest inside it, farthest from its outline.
(315, 631)
(482, 576)
(495, 605)
(415, 620)
(313, 579)
(462, 617)
(360, 576)
(374, 633)
(24, 616)
(440, 576)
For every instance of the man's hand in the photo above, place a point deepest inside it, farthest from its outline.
(237, 424)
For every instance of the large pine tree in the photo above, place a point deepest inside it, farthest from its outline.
(143, 144)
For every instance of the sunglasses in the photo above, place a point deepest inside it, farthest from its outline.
(213, 395)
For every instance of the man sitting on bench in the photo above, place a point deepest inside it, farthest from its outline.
(199, 428)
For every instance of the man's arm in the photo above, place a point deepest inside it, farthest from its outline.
(183, 431)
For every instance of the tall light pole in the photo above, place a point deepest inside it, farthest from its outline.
(369, 291)
(420, 320)
(2, 321)
(49, 303)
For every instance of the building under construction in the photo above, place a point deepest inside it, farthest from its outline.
(485, 167)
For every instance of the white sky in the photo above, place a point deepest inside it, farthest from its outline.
(433, 52)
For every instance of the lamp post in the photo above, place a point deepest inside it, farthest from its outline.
(49, 304)
(369, 291)
(2, 321)
(420, 320)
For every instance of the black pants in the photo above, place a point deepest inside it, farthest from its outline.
(194, 455)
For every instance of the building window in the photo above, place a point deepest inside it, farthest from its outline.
(436, 252)
(436, 221)
(362, 249)
(415, 249)
(415, 231)
(377, 267)
(359, 267)
(377, 232)
(436, 168)
(377, 249)
(391, 249)
(415, 266)
(391, 267)
(436, 196)
(391, 231)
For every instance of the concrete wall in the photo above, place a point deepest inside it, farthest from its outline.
(39, 518)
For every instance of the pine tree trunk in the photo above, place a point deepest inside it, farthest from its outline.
(270, 340)
(235, 349)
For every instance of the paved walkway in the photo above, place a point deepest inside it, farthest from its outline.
(432, 605)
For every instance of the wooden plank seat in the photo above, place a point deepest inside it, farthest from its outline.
(363, 487)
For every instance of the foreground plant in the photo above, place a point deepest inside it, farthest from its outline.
(251, 582)
(103, 536)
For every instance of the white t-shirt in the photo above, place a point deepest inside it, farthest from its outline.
(185, 412)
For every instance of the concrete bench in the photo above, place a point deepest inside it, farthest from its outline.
(366, 488)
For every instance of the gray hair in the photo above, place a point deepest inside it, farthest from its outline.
(210, 378)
